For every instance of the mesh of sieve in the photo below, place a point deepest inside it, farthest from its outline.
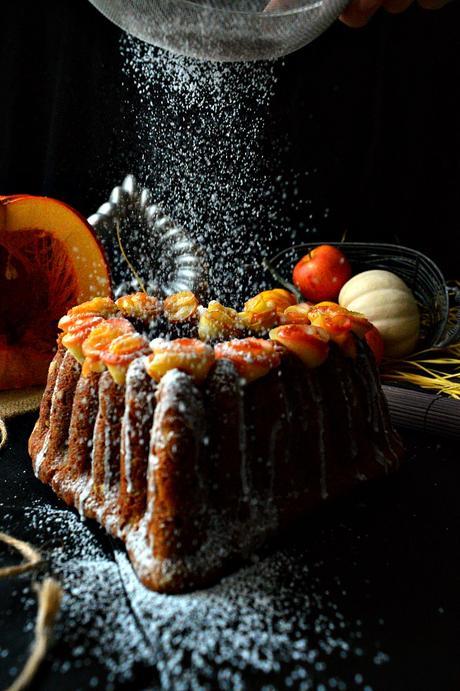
(224, 30)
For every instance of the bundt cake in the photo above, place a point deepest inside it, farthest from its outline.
(194, 434)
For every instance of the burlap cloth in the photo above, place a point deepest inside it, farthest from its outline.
(17, 402)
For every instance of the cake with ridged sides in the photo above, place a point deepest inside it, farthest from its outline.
(196, 433)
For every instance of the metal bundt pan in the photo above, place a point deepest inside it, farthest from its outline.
(145, 247)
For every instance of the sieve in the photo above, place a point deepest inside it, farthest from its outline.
(224, 30)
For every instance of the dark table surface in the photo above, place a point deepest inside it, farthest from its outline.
(382, 566)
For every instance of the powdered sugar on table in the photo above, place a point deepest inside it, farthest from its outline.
(273, 623)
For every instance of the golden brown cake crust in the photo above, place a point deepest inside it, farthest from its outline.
(137, 424)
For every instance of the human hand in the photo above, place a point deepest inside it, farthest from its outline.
(358, 12)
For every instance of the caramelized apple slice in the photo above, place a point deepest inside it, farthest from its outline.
(332, 314)
(277, 299)
(104, 306)
(218, 322)
(259, 322)
(297, 314)
(76, 330)
(97, 307)
(340, 324)
(139, 306)
(186, 354)
(309, 343)
(252, 357)
(121, 352)
(98, 342)
(181, 306)
(265, 310)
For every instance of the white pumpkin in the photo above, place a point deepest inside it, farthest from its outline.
(389, 304)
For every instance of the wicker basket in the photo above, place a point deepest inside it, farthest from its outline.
(418, 271)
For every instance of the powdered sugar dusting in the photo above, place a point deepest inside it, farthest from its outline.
(274, 621)
(94, 599)
(176, 392)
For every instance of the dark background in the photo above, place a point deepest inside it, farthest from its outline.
(374, 112)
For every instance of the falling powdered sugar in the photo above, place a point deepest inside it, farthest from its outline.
(208, 150)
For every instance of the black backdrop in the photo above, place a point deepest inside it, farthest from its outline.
(375, 112)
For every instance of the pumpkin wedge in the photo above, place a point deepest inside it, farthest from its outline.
(49, 261)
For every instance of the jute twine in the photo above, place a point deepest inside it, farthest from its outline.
(49, 592)
(31, 555)
(3, 434)
(49, 595)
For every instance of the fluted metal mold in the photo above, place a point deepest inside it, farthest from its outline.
(162, 253)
